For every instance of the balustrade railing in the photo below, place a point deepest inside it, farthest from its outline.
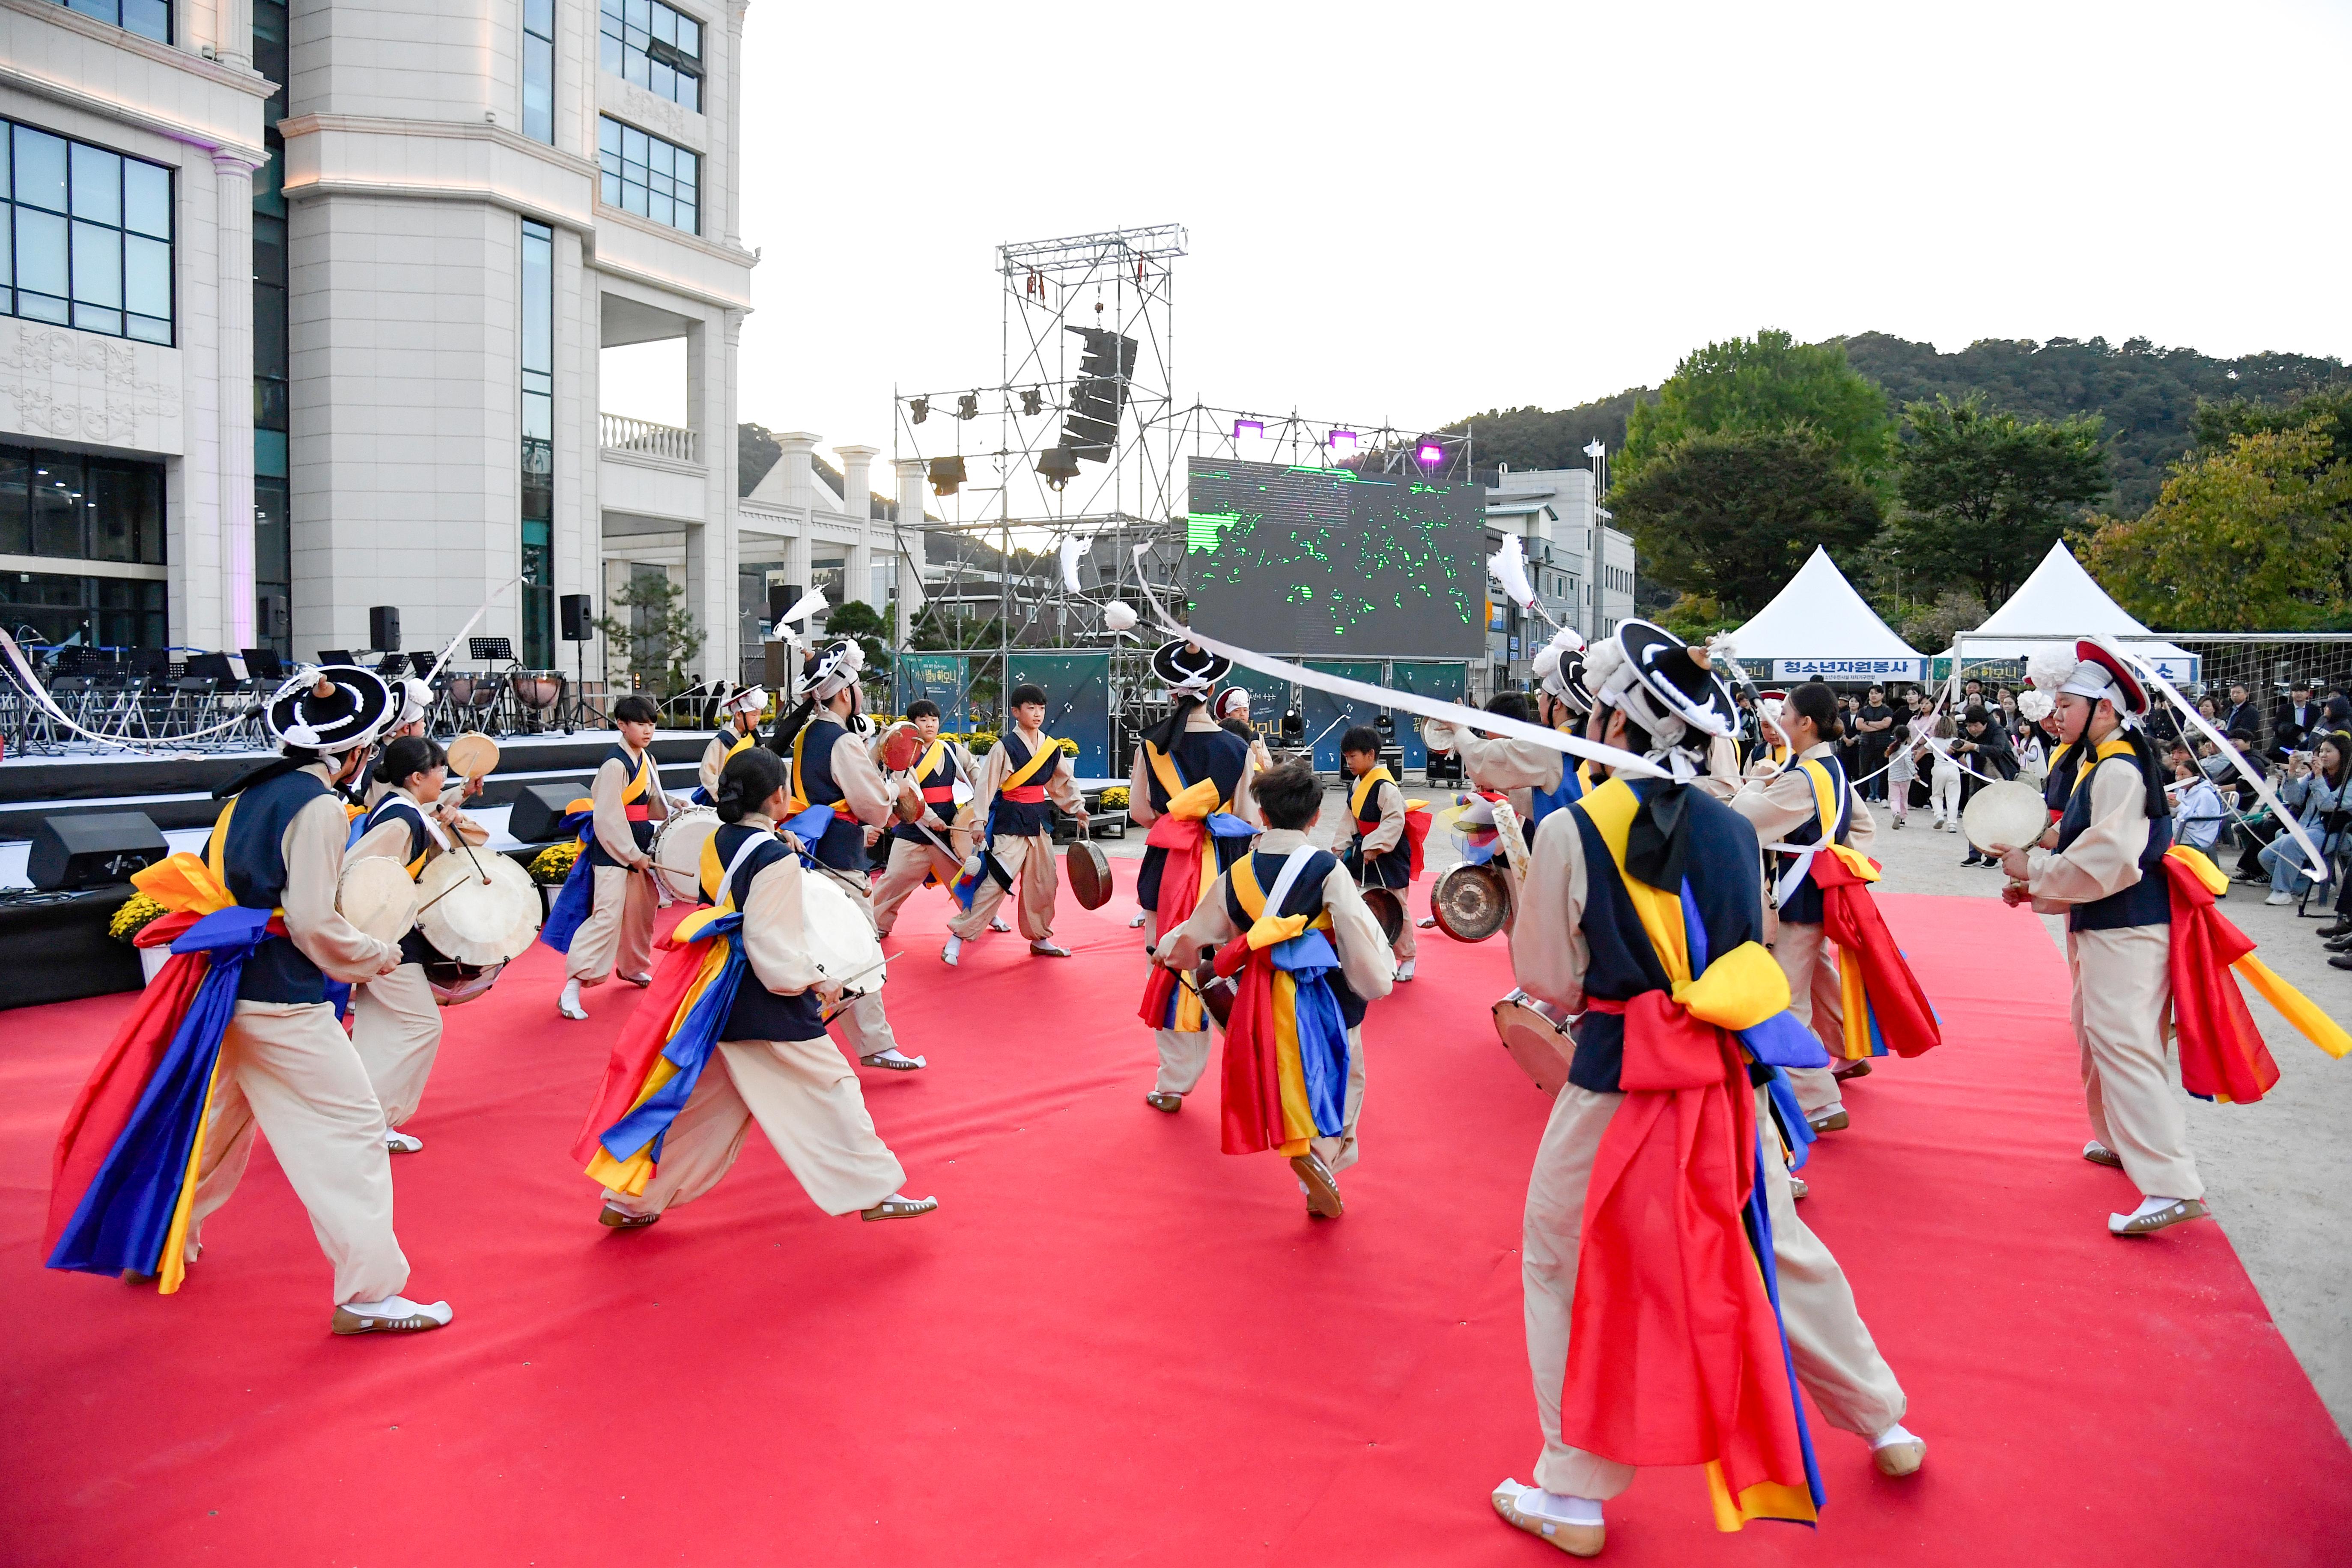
(619, 433)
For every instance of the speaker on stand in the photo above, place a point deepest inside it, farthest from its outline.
(578, 612)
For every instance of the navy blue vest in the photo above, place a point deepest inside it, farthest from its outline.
(1218, 755)
(1392, 869)
(2147, 902)
(759, 1014)
(844, 844)
(1804, 905)
(1305, 897)
(643, 832)
(939, 778)
(414, 947)
(254, 862)
(1725, 881)
(1015, 819)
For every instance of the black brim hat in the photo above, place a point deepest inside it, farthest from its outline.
(334, 707)
(1680, 677)
(1180, 666)
(829, 669)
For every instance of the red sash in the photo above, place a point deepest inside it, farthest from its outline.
(937, 794)
(1850, 918)
(639, 812)
(1023, 794)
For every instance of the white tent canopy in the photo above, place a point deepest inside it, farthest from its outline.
(1819, 628)
(2060, 602)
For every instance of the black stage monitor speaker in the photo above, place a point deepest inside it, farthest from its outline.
(579, 617)
(782, 667)
(538, 814)
(93, 849)
(781, 596)
(383, 628)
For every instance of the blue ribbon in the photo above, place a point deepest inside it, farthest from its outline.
(688, 1049)
(1308, 957)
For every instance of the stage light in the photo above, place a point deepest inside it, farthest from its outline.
(919, 410)
(946, 475)
(968, 406)
(1254, 426)
(1032, 401)
(1429, 454)
(1058, 467)
(1337, 437)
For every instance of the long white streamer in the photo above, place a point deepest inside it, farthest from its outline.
(35, 692)
(468, 626)
(1615, 759)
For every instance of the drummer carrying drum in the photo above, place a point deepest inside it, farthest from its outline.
(395, 1022)
(1384, 851)
(933, 845)
(627, 800)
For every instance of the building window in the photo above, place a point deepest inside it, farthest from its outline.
(148, 18)
(89, 236)
(539, 69)
(660, 49)
(89, 509)
(273, 527)
(649, 176)
(538, 446)
(102, 612)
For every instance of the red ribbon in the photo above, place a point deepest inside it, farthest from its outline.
(1250, 1107)
(2222, 1053)
(1850, 918)
(1185, 839)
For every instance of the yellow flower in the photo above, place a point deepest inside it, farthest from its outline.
(1069, 747)
(1114, 798)
(554, 864)
(135, 914)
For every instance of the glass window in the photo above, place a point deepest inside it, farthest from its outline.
(539, 69)
(89, 236)
(15, 502)
(648, 176)
(657, 47)
(57, 504)
(537, 456)
(148, 18)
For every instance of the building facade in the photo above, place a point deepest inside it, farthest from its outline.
(330, 339)
(1580, 568)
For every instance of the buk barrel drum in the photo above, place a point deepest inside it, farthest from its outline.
(841, 940)
(1536, 1035)
(1217, 991)
(376, 895)
(1471, 904)
(677, 847)
(2006, 815)
(476, 910)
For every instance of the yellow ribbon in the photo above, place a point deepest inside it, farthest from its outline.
(2292, 1005)
(630, 1175)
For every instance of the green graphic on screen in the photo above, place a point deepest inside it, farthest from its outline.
(1328, 561)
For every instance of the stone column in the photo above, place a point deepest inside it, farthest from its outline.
(909, 532)
(730, 116)
(233, 187)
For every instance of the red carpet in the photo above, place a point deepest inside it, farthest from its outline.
(1114, 1344)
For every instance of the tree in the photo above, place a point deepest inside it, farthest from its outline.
(861, 622)
(1729, 517)
(659, 636)
(1985, 494)
(1767, 384)
(2256, 536)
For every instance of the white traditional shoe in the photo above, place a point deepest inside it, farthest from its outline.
(1898, 1453)
(393, 1315)
(1797, 1189)
(896, 1060)
(569, 1002)
(2156, 1213)
(639, 981)
(2098, 1153)
(899, 1205)
(1404, 970)
(1523, 1508)
(949, 953)
(1137, 923)
(998, 924)
(1048, 950)
(400, 1142)
(1833, 1120)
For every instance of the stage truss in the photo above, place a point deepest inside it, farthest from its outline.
(1117, 521)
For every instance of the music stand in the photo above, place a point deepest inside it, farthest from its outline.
(335, 656)
(490, 650)
(420, 662)
(263, 664)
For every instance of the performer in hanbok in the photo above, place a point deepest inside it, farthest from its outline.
(603, 918)
(1287, 921)
(236, 1034)
(412, 700)
(1816, 831)
(733, 1032)
(395, 1023)
(837, 794)
(916, 855)
(1504, 766)
(1191, 786)
(1021, 783)
(1674, 1340)
(1231, 709)
(1381, 846)
(738, 731)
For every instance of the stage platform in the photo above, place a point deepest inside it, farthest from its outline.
(1114, 1344)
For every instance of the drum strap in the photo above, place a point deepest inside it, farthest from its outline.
(727, 878)
(1825, 815)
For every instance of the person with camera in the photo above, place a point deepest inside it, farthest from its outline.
(2316, 790)
(1984, 753)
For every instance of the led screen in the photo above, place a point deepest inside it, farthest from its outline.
(1319, 562)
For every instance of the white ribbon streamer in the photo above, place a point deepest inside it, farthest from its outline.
(38, 694)
(468, 626)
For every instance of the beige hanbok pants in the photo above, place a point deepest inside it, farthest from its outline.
(618, 932)
(1805, 957)
(1184, 1053)
(903, 877)
(289, 1071)
(396, 1029)
(1029, 862)
(805, 1098)
(1834, 1356)
(2122, 1016)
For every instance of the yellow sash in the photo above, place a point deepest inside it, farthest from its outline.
(1193, 802)
(2113, 747)
(1373, 778)
(930, 760)
(1047, 752)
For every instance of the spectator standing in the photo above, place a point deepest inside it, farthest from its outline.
(1984, 747)
(1945, 777)
(2293, 720)
(1874, 727)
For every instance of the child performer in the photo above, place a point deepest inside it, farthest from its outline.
(395, 1023)
(913, 854)
(616, 892)
(738, 731)
(1191, 786)
(1021, 782)
(734, 1032)
(236, 1034)
(1384, 845)
(1643, 914)
(1231, 709)
(1288, 921)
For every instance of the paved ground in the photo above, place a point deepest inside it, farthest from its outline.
(2279, 1174)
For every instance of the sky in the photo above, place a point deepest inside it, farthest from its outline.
(1412, 214)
